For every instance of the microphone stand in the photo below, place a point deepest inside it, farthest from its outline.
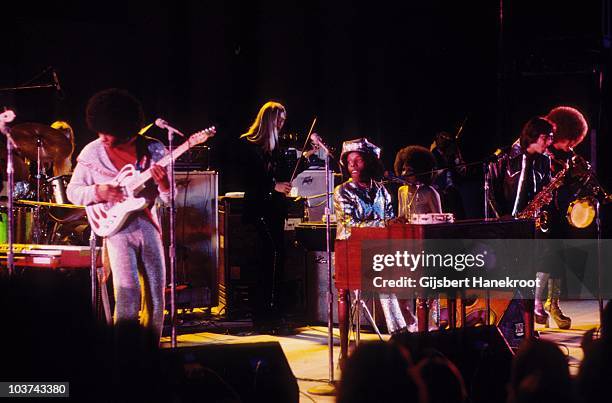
(172, 248)
(329, 388)
(28, 87)
(330, 291)
(25, 85)
(485, 175)
(10, 171)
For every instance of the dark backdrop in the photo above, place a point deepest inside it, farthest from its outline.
(395, 72)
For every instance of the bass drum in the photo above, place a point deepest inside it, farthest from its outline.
(581, 212)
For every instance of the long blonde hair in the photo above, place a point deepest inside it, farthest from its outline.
(263, 131)
(64, 166)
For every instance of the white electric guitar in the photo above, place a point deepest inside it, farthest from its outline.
(107, 218)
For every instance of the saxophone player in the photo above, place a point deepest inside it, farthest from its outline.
(518, 174)
(516, 178)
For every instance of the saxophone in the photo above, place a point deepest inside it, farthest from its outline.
(542, 199)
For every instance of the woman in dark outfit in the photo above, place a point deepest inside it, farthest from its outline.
(265, 207)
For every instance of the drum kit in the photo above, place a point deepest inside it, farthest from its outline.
(42, 212)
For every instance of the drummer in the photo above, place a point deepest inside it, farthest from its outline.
(62, 165)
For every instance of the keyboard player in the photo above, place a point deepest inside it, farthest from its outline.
(363, 201)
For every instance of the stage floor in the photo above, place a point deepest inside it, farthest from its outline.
(307, 351)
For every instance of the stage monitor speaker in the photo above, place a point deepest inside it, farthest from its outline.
(196, 237)
(256, 372)
(507, 310)
(480, 353)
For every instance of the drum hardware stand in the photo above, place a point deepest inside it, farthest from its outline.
(39, 174)
(8, 117)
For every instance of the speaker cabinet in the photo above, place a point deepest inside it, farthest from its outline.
(239, 259)
(506, 313)
(196, 238)
(317, 288)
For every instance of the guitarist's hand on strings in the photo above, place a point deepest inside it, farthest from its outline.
(109, 193)
(160, 177)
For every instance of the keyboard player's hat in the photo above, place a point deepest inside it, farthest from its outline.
(361, 145)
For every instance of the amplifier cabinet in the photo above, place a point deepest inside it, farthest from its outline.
(197, 246)
(239, 263)
(310, 184)
(237, 258)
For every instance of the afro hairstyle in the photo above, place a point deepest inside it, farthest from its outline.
(571, 124)
(114, 112)
(419, 158)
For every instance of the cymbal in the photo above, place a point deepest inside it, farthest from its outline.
(49, 204)
(54, 144)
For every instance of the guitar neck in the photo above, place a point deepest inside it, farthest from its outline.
(164, 162)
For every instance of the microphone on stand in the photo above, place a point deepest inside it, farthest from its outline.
(316, 140)
(56, 81)
(162, 124)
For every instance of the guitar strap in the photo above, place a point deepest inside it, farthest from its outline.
(143, 156)
(143, 162)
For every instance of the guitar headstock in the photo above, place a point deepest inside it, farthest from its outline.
(202, 136)
(7, 116)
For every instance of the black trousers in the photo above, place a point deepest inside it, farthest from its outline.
(267, 308)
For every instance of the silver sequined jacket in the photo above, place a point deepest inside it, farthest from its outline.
(358, 207)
